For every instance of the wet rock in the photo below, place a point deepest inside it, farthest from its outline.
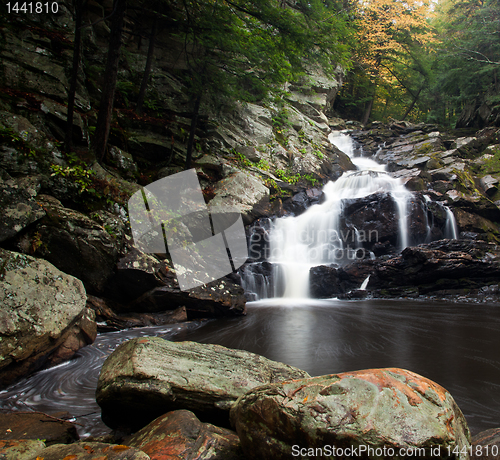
(448, 267)
(123, 162)
(486, 445)
(471, 222)
(18, 206)
(108, 320)
(180, 435)
(146, 377)
(377, 408)
(20, 449)
(90, 451)
(489, 184)
(52, 429)
(81, 334)
(74, 243)
(215, 299)
(40, 307)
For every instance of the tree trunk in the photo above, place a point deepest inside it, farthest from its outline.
(368, 111)
(194, 123)
(147, 69)
(415, 99)
(77, 45)
(108, 92)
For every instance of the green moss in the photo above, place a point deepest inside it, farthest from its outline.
(424, 149)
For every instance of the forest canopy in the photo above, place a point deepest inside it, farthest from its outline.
(418, 60)
(435, 62)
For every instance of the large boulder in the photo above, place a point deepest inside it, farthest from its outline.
(179, 434)
(376, 413)
(74, 243)
(244, 192)
(147, 377)
(40, 308)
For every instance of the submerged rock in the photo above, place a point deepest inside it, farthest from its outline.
(486, 445)
(41, 307)
(146, 377)
(180, 435)
(387, 410)
(36, 426)
(90, 451)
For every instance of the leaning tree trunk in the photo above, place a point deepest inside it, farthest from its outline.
(410, 108)
(147, 69)
(77, 46)
(108, 92)
(194, 124)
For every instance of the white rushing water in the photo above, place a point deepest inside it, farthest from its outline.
(316, 237)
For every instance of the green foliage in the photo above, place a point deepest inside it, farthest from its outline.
(286, 176)
(11, 138)
(281, 125)
(465, 68)
(245, 48)
(78, 174)
(262, 165)
(319, 154)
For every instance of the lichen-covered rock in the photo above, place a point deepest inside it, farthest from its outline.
(18, 206)
(40, 306)
(90, 451)
(179, 435)
(146, 377)
(245, 193)
(377, 408)
(22, 449)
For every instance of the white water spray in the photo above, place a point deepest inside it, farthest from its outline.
(316, 238)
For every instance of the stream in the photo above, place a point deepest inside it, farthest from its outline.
(454, 344)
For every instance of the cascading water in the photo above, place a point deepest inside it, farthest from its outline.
(316, 237)
(321, 236)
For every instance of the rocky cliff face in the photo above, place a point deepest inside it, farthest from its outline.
(69, 208)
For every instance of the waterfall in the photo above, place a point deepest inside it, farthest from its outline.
(364, 285)
(321, 236)
(451, 228)
(316, 236)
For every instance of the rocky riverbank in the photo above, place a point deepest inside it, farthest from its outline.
(187, 400)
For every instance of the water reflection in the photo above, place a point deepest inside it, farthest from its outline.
(456, 345)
